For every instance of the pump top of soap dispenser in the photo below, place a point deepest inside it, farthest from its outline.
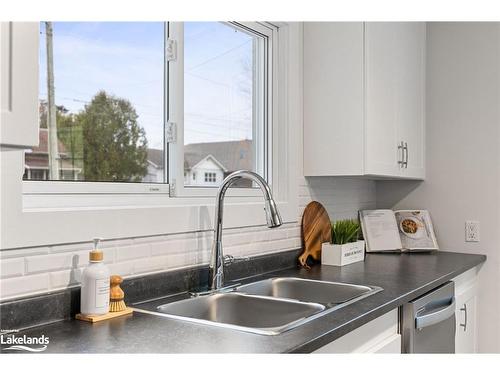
(96, 255)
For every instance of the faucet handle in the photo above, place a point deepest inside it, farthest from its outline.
(229, 259)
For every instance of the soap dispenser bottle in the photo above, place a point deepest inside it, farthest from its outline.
(94, 298)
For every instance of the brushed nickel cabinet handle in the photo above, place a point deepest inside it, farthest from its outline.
(464, 309)
(405, 149)
(401, 160)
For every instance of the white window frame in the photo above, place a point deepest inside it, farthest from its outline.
(52, 194)
(27, 221)
(263, 150)
(46, 194)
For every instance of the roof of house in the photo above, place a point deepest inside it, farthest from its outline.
(213, 159)
(43, 143)
(233, 155)
(155, 156)
(38, 156)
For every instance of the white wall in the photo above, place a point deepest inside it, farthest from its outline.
(463, 154)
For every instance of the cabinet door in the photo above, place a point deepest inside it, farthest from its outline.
(465, 339)
(377, 336)
(391, 345)
(19, 84)
(411, 92)
(394, 69)
(382, 60)
(333, 98)
(466, 312)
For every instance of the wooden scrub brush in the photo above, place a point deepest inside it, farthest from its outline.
(116, 302)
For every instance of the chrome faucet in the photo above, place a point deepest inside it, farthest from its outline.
(217, 259)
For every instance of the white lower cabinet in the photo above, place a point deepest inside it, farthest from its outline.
(377, 336)
(466, 312)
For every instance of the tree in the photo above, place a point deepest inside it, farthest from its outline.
(61, 112)
(114, 144)
(69, 134)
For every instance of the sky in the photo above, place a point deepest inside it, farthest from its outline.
(126, 59)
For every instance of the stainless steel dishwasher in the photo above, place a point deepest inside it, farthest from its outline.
(428, 322)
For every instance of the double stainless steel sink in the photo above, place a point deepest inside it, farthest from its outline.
(269, 307)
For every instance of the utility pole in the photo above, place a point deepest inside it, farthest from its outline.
(51, 107)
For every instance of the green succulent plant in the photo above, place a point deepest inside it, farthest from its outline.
(345, 231)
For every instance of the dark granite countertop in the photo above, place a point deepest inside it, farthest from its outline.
(402, 276)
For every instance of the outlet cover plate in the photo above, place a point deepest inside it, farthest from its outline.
(471, 231)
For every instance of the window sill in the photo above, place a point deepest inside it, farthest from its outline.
(101, 202)
(62, 213)
(70, 196)
(180, 215)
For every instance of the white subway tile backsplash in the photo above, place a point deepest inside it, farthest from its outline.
(18, 253)
(149, 264)
(115, 243)
(66, 278)
(293, 232)
(133, 252)
(44, 263)
(30, 271)
(181, 260)
(24, 285)
(234, 239)
(11, 267)
(69, 248)
(122, 268)
(165, 247)
(108, 253)
(148, 240)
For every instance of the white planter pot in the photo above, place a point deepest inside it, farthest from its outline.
(340, 255)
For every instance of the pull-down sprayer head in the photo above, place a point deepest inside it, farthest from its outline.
(272, 214)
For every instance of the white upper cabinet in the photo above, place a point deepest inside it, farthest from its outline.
(364, 96)
(333, 98)
(19, 83)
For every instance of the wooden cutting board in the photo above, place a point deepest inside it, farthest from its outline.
(316, 229)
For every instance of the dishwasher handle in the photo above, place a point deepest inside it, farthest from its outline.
(436, 316)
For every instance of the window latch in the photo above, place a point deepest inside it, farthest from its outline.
(171, 132)
(171, 188)
(171, 50)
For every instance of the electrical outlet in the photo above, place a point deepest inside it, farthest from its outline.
(471, 231)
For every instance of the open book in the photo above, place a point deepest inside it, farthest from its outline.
(403, 230)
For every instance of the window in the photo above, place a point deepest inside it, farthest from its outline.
(101, 102)
(224, 100)
(210, 177)
(147, 209)
(107, 94)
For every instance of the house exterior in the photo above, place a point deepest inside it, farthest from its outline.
(36, 161)
(155, 166)
(206, 164)
(206, 172)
